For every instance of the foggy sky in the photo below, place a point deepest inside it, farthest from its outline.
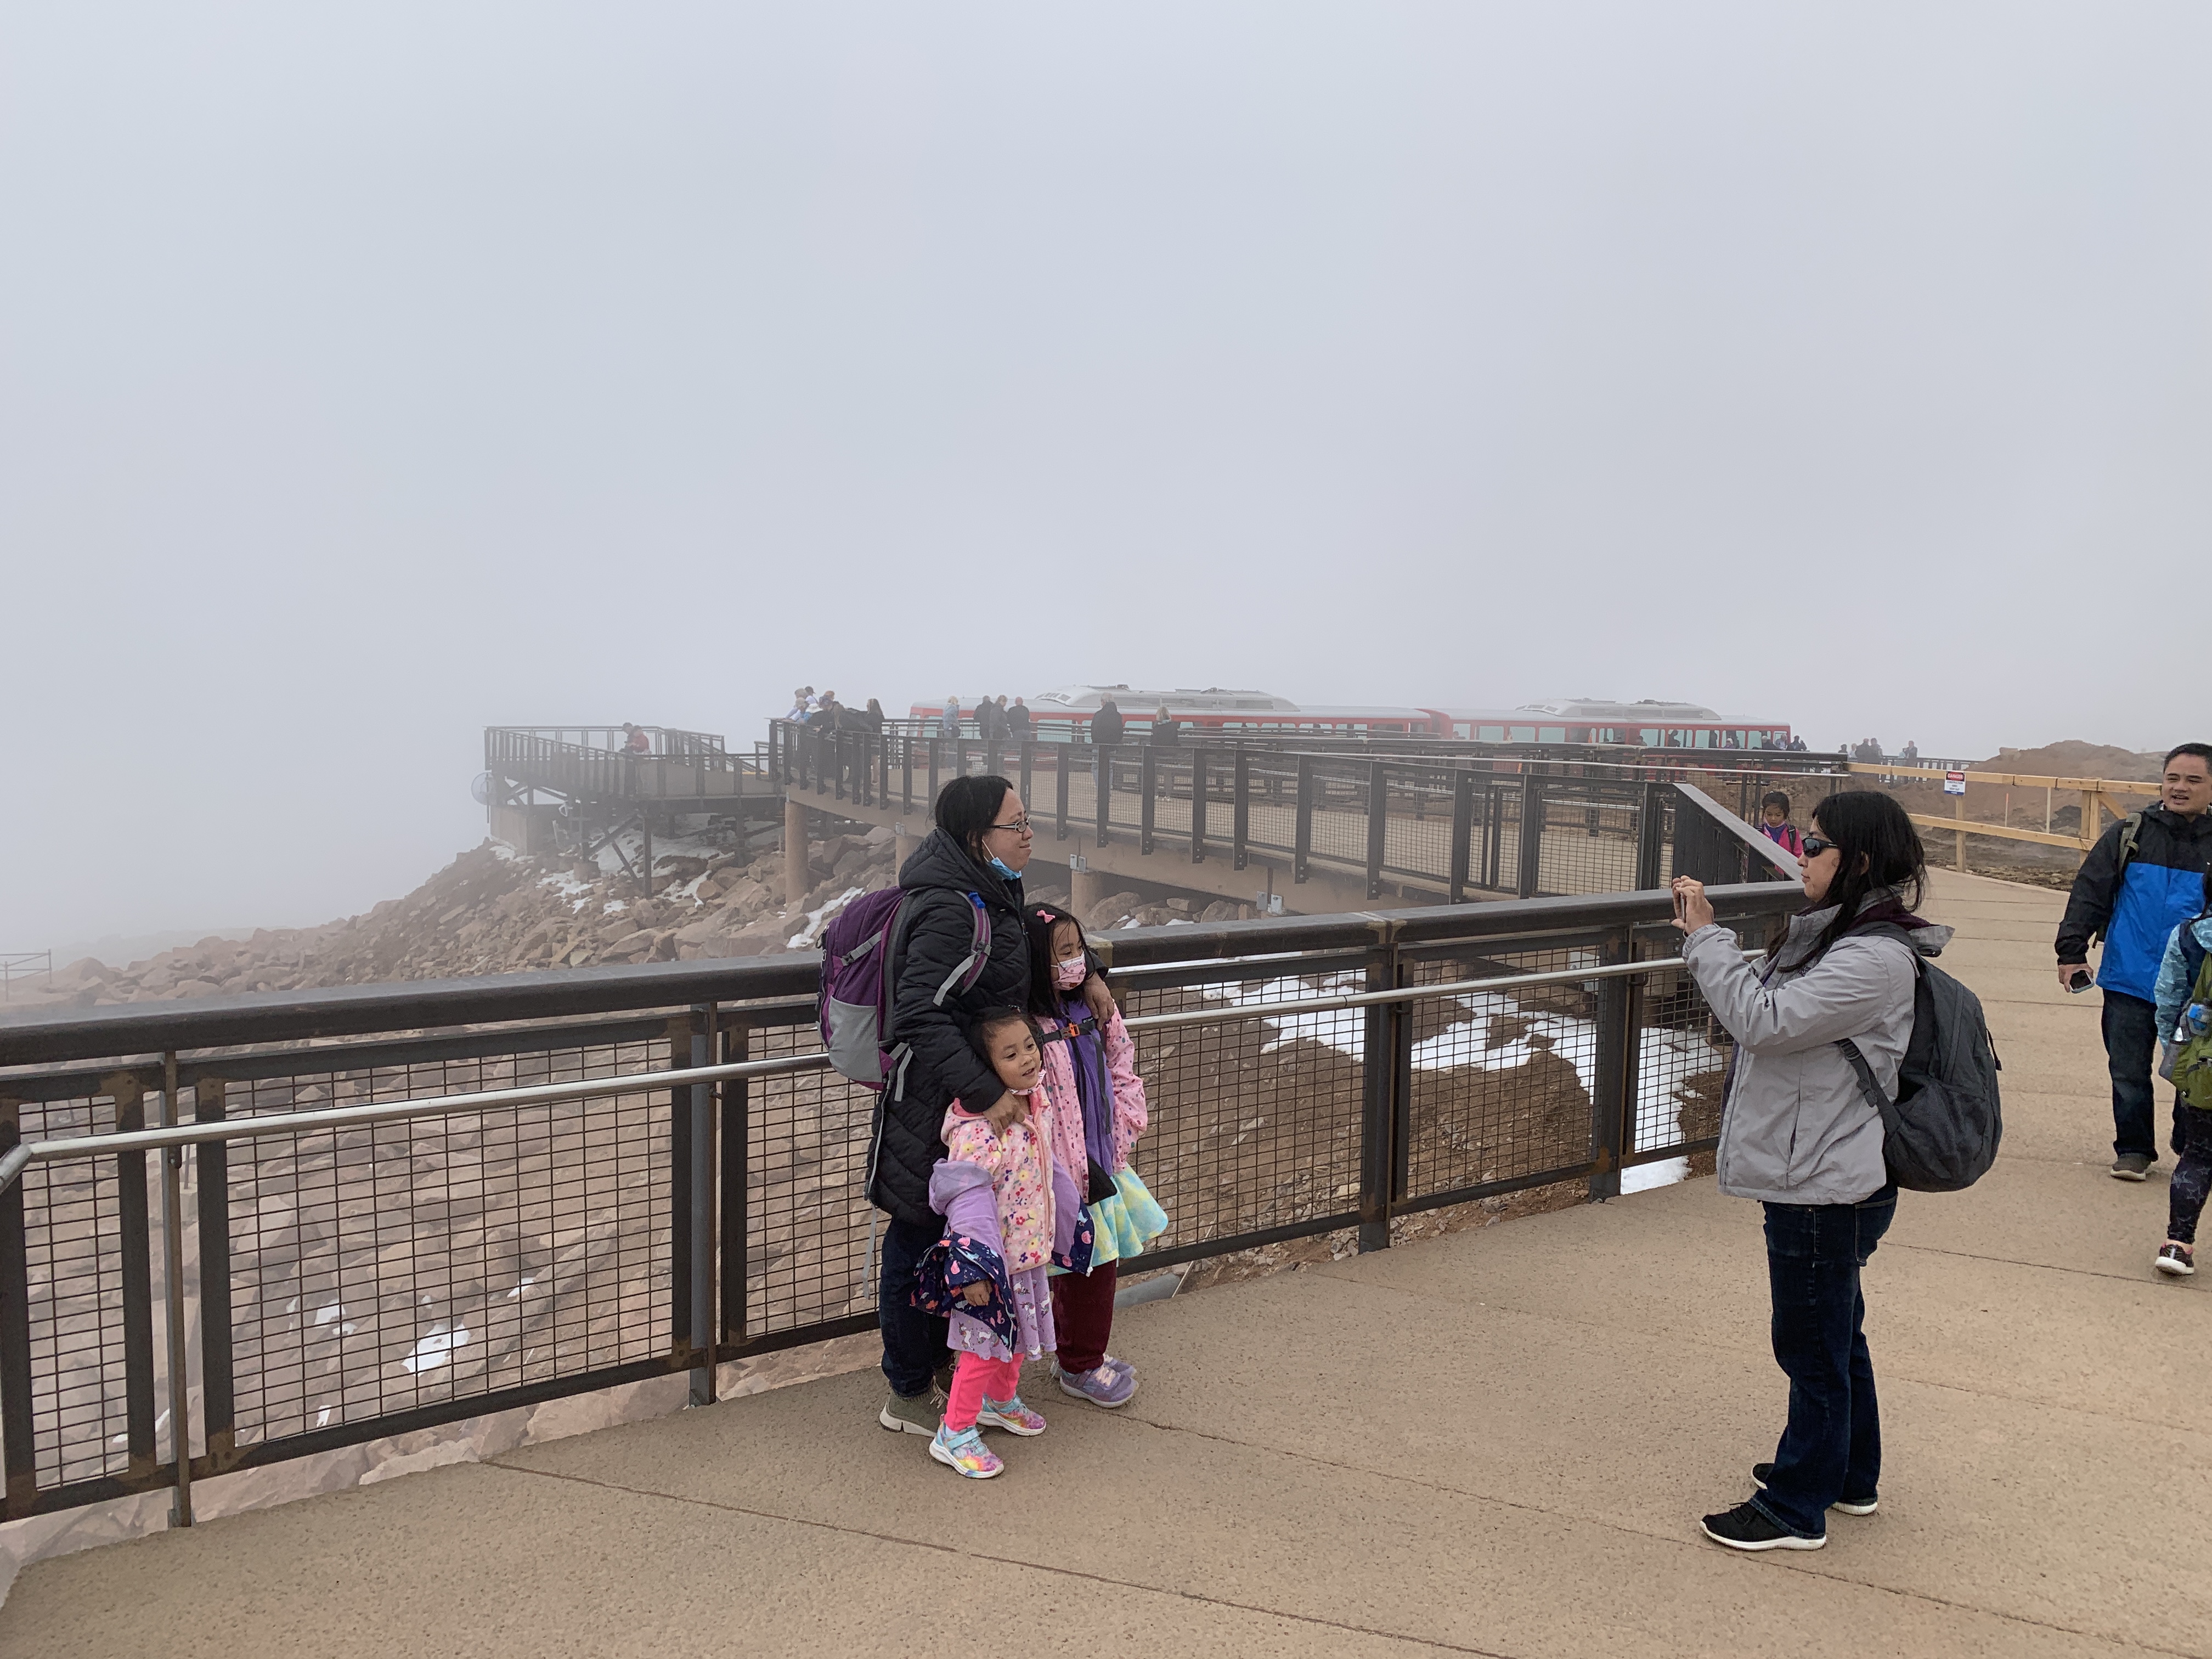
(371, 374)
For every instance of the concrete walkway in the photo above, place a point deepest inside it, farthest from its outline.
(1496, 1442)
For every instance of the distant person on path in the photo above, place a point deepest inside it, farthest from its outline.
(1017, 721)
(986, 721)
(1098, 1112)
(948, 723)
(1166, 729)
(1774, 822)
(1911, 753)
(2184, 1026)
(870, 720)
(635, 740)
(1107, 726)
(2144, 878)
(802, 704)
(981, 846)
(1797, 1135)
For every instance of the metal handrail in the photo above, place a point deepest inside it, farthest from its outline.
(340, 1117)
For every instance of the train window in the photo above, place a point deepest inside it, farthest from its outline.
(1552, 734)
(1524, 734)
(1493, 734)
(1648, 736)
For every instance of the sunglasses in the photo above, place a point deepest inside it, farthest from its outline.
(1816, 845)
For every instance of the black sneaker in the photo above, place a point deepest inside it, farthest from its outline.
(2180, 1260)
(2132, 1166)
(1763, 1472)
(1744, 1527)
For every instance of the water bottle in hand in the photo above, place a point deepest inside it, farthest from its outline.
(2194, 1019)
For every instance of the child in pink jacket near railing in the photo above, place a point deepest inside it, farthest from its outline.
(1098, 1112)
(1009, 1215)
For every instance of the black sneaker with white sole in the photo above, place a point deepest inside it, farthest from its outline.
(1746, 1528)
(2180, 1260)
(2132, 1166)
(1763, 1472)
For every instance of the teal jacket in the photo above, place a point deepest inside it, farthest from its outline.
(2175, 980)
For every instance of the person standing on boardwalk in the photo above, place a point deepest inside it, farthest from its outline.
(2141, 880)
(1797, 1135)
(963, 888)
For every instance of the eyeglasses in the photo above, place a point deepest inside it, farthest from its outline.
(1815, 844)
(1020, 826)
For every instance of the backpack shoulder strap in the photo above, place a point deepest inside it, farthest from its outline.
(2130, 833)
(1868, 1085)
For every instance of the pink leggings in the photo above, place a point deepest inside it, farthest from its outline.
(975, 1379)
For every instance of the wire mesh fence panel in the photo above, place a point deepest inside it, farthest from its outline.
(1254, 1123)
(1418, 836)
(1339, 813)
(1589, 837)
(806, 1218)
(407, 1264)
(1682, 1059)
(1273, 806)
(73, 1236)
(1501, 1079)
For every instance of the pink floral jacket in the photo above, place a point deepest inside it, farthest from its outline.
(1129, 1113)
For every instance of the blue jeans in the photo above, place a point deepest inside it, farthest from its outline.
(915, 1347)
(2130, 1047)
(1832, 1447)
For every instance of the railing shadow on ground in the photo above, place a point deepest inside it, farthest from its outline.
(296, 1224)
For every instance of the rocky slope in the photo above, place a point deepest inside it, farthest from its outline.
(493, 911)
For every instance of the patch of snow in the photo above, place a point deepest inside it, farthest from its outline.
(436, 1349)
(816, 919)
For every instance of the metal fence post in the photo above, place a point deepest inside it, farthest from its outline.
(17, 1422)
(1060, 770)
(1493, 834)
(1612, 1117)
(1379, 825)
(218, 1385)
(1532, 836)
(172, 1301)
(136, 1270)
(933, 773)
(1650, 834)
(1029, 757)
(679, 1197)
(1379, 1095)
(1240, 823)
(1102, 789)
(1462, 831)
(701, 1210)
(1148, 773)
(1198, 807)
(906, 771)
(1302, 837)
(736, 1138)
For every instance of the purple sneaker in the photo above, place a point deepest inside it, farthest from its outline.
(1103, 1387)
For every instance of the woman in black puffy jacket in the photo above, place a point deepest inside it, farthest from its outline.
(962, 882)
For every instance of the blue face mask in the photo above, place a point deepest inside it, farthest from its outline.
(1000, 865)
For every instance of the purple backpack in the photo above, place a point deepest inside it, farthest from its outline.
(857, 990)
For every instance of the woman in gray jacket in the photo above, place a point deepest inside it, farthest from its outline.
(1798, 1135)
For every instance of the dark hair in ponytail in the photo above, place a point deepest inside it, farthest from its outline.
(1879, 848)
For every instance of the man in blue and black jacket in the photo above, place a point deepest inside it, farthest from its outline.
(2144, 877)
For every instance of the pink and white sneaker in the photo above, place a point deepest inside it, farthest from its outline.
(1008, 1415)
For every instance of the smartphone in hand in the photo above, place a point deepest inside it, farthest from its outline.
(2082, 981)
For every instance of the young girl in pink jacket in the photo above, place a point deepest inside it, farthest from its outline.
(1009, 1216)
(1099, 1111)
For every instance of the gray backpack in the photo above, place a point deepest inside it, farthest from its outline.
(1941, 1133)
